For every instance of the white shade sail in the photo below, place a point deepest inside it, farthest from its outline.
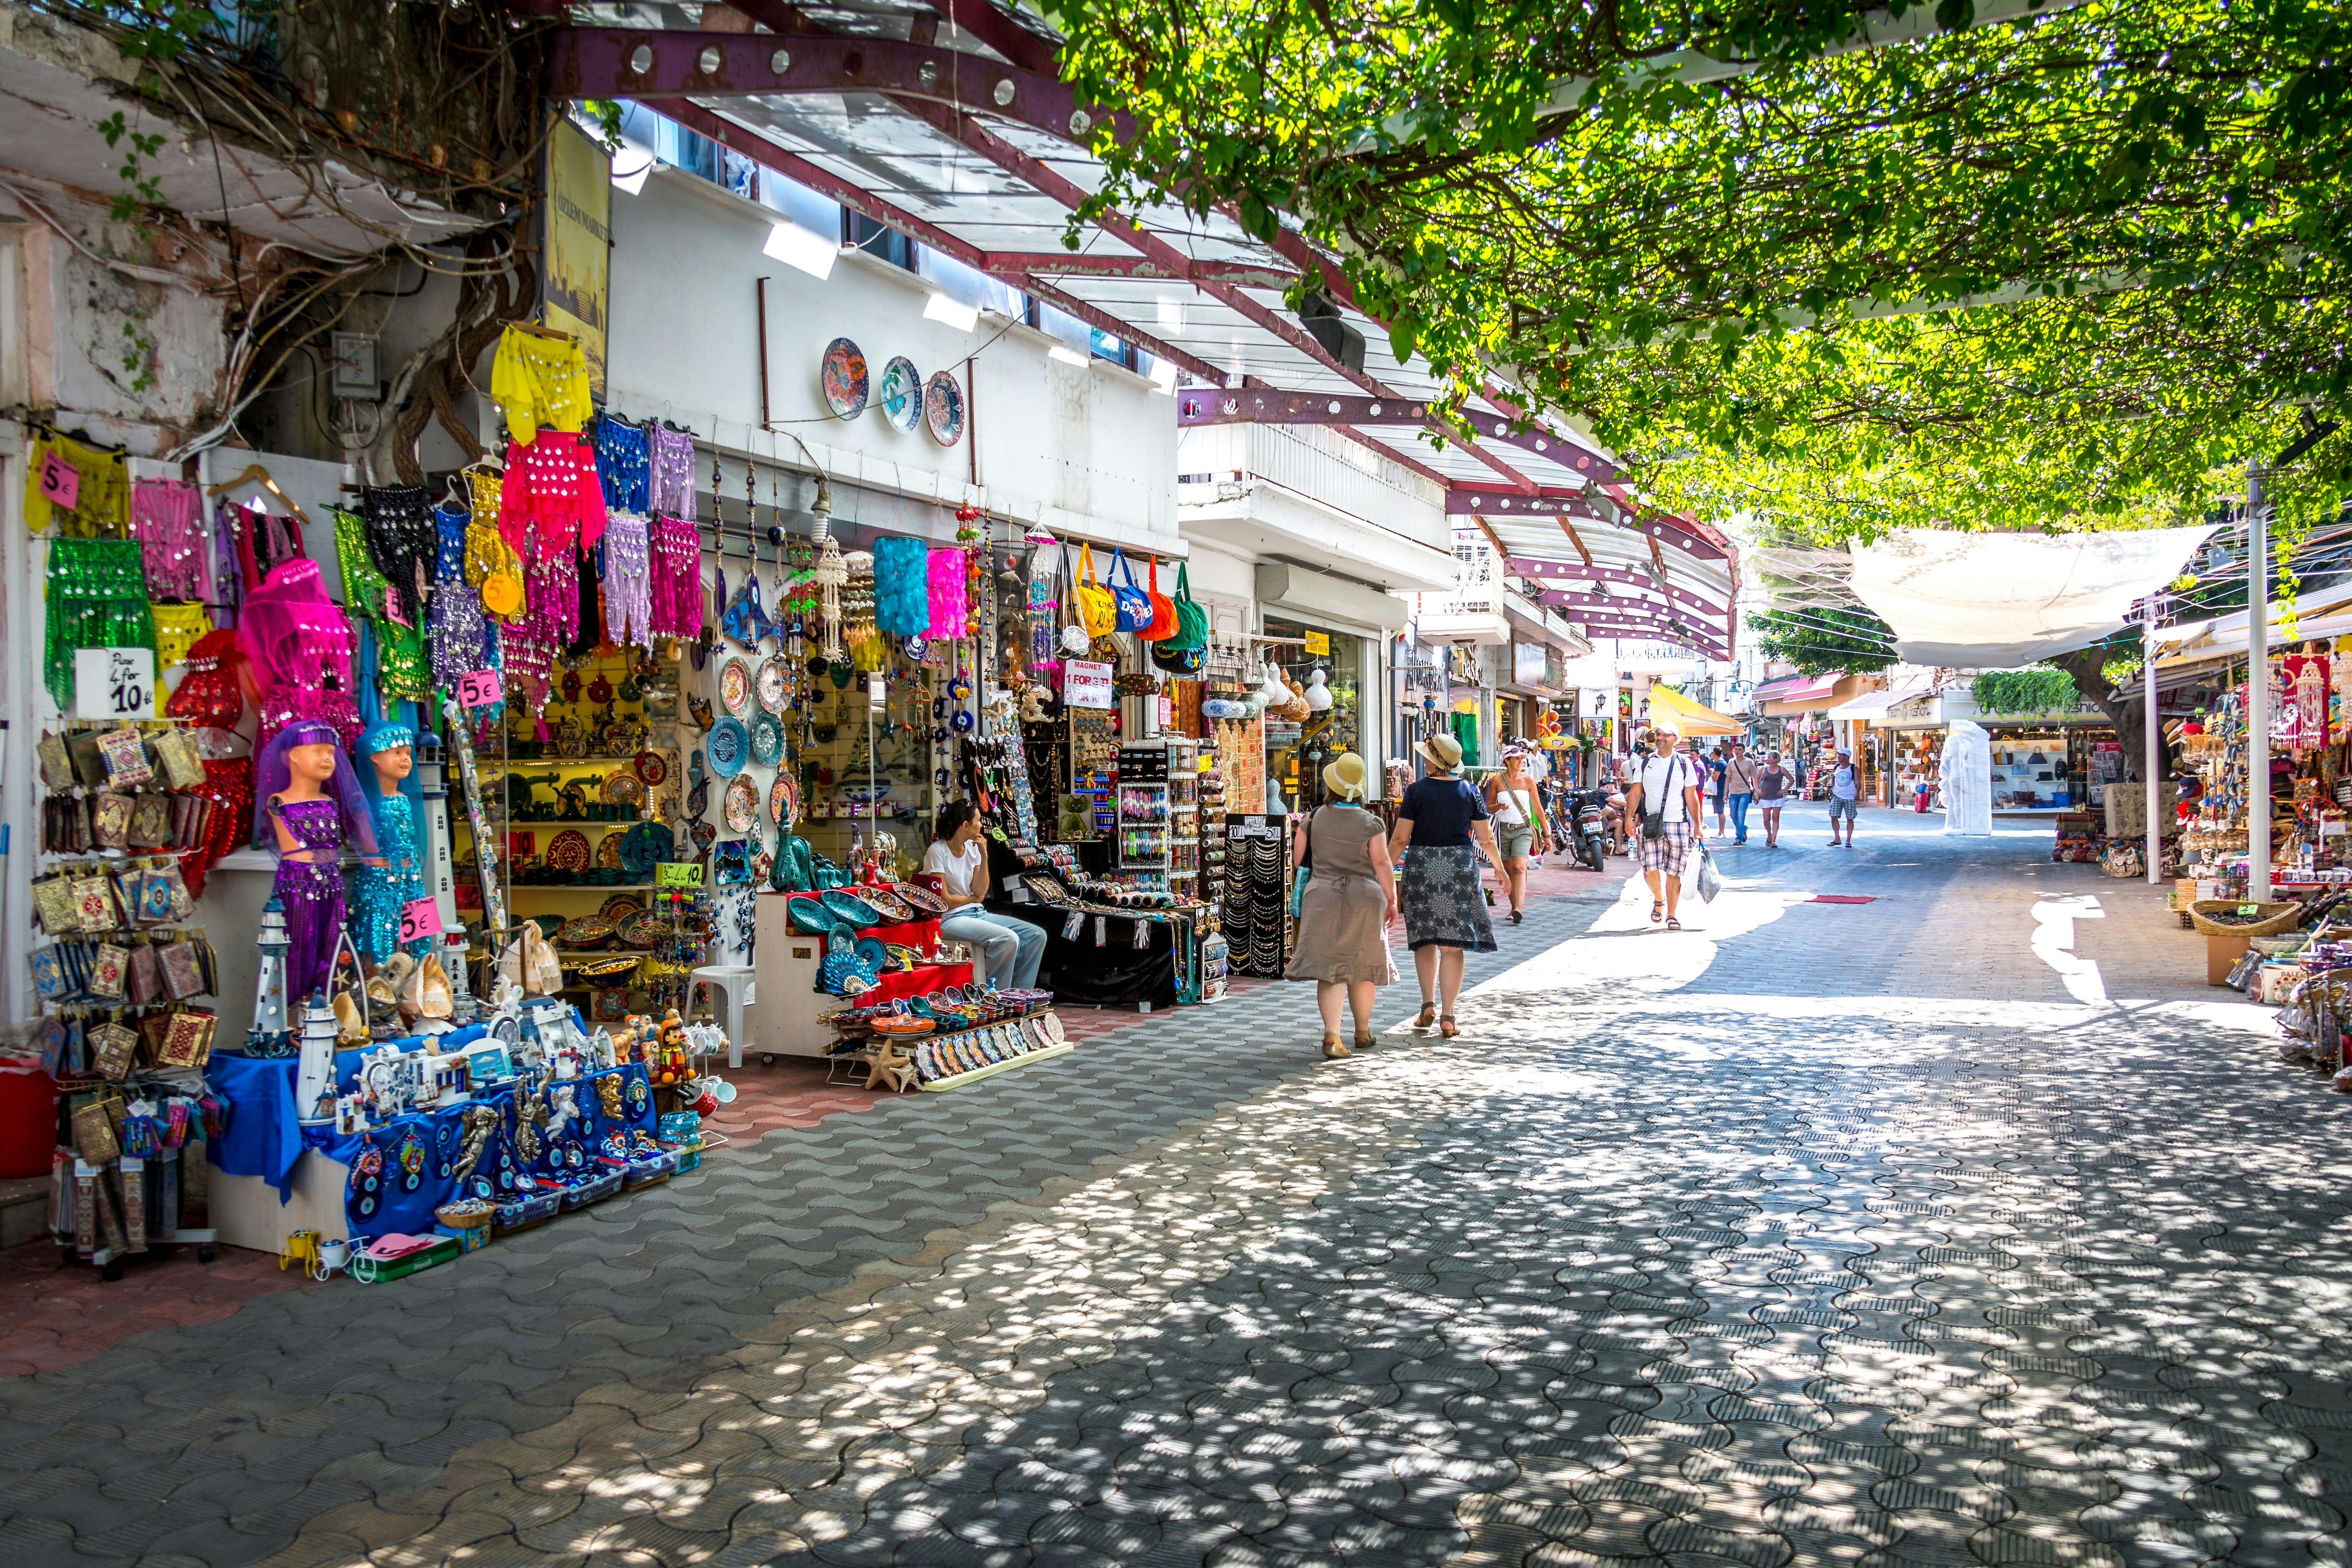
(1995, 601)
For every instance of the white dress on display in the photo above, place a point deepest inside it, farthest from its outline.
(1967, 780)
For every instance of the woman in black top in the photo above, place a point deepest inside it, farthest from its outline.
(1444, 902)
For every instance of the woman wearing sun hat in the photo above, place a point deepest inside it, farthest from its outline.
(1350, 904)
(1444, 904)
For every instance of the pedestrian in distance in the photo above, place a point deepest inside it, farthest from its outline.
(1716, 764)
(1444, 902)
(1845, 798)
(1666, 810)
(1511, 797)
(1738, 785)
(1349, 906)
(1772, 783)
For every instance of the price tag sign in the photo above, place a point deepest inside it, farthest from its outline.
(60, 482)
(1086, 683)
(479, 688)
(2250, 909)
(1318, 644)
(678, 874)
(419, 918)
(114, 683)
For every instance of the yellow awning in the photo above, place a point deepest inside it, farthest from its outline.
(1685, 716)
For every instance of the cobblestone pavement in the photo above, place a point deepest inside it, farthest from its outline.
(1957, 1226)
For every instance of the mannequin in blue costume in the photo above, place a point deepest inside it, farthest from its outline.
(386, 753)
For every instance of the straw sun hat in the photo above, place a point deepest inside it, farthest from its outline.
(1441, 752)
(1344, 775)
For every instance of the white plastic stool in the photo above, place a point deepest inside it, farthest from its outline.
(738, 983)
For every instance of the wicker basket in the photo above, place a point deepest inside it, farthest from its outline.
(2275, 918)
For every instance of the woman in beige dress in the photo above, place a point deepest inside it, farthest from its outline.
(1350, 904)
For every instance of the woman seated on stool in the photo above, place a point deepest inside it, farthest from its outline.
(1010, 948)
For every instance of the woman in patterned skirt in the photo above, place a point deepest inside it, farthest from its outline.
(1444, 902)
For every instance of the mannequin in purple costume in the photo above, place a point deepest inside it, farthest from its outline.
(311, 891)
(307, 807)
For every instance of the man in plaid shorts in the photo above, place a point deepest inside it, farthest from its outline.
(1667, 789)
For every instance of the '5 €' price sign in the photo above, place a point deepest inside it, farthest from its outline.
(419, 918)
(479, 688)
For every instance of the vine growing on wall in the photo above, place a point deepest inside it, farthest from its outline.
(2037, 690)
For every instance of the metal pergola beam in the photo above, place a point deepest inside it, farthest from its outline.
(654, 63)
(1076, 264)
(1563, 574)
(1497, 504)
(1276, 407)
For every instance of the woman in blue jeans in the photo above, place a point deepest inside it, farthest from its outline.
(1011, 948)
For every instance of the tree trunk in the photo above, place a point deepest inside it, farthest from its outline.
(2127, 710)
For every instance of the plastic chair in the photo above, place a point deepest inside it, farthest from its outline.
(738, 983)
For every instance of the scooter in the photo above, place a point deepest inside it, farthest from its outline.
(1587, 808)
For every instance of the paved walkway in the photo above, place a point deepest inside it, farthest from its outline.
(1956, 1226)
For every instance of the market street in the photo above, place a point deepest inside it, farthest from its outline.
(1939, 1228)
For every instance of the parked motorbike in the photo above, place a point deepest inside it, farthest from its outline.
(1587, 809)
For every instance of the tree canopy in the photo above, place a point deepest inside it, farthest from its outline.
(2064, 268)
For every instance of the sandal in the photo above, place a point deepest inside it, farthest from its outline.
(1364, 1038)
(1517, 917)
(1428, 1016)
(1674, 924)
(1447, 1027)
(1657, 911)
(1333, 1048)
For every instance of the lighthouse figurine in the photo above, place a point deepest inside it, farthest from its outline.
(314, 1074)
(462, 1005)
(270, 1025)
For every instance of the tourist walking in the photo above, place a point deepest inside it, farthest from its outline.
(1512, 804)
(1715, 771)
(1664, 808)
(1011, 949)
(1772, 781)
(1349, 903)
(1444, 902)
(1845, 798)
(1738, 787)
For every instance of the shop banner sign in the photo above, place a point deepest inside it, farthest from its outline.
(1086, 683)
(114, 683)
(578, 241)
(2301, 722)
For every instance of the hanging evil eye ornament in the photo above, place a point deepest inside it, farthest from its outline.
(367, 1179)
(638, 1096)
(411, 1161)
(570, 686)
(964, 720)
(916, 645)
(509, 1179)
(445, 1139)
(601, 688)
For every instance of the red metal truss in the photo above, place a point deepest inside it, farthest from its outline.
(1494, 503)
(1000, 33)
(1273, 408)
(1567, 574)
(1097, 264)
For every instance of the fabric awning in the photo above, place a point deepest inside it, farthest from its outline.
(1999, 601)
(1873, 704)
(1798, 687)
(1686, 717)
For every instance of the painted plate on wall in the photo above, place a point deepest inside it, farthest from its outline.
(735, 685)
(784, 801)
(767, 739)
(844, 379)
(774, 683)
(944, 408)
(742, 807)
(902, 395)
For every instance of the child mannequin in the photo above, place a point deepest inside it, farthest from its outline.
(379, 892)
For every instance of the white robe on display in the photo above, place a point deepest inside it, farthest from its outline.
(1967, 780)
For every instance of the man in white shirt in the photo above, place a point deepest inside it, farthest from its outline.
(1666, 788)
(1845, 798)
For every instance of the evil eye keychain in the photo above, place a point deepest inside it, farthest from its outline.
(412, 1161)
(445, 1137)
(367, 1178)
(638, 1095)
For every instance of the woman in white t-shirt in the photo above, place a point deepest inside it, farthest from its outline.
(1011, 948)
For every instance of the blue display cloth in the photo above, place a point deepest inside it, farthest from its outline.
(416, 1156)
(263, 1138)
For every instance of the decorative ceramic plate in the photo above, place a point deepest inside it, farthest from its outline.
(844, 374)
(653, 768)
(623, 787)
(767, 739)
(588, 933)
(729, 747)
(919, 898)
(549, 925)
(735, 685)
(944, 408)
(774, 683)
(568, 850)
(643, 931)
(902, 395)
(784, 801)
(888, 906)
(621, 906)
(608, 852)
(742, 808)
